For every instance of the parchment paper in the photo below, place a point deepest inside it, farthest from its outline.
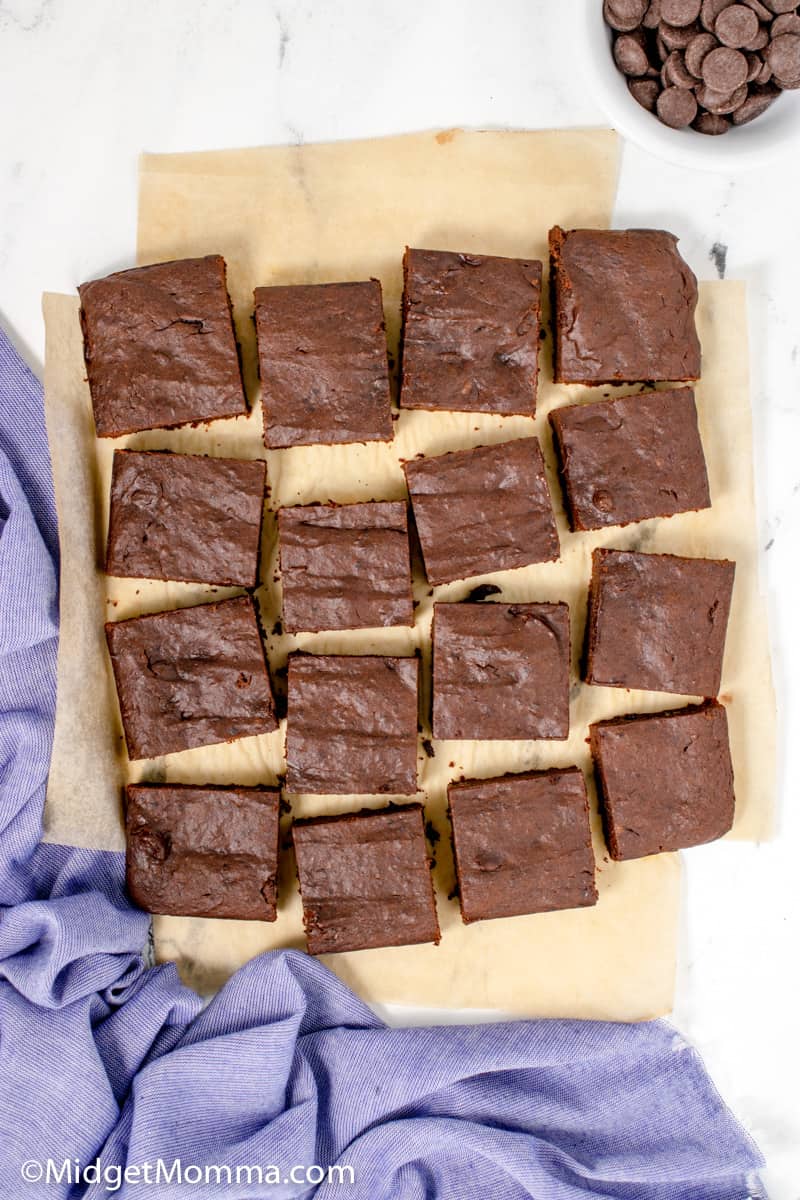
(317, 213)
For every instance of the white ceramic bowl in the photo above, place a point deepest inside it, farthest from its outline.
(777, 131)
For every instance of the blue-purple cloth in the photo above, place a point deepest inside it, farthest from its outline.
(115, 1065)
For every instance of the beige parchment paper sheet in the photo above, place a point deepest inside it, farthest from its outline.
(345, 211)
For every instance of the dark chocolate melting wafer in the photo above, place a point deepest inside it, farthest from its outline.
(680, 12)
(724, 70)
(755, 104)
(736, 26)
(630, 54)
(696, 51)
(711, 124)
(676, 107)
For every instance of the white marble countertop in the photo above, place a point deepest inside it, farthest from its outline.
(86, 85)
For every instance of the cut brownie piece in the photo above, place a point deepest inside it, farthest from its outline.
(190, 677)
(470, 332)
(665, 781)
(501, 670)
(352, 724)
(623, 307)
(160, 347)
(323, 364)
(631, 458)
(185, 517)
(365, 880)
(522, 843)
(203, 851)
(657, 622)
(345, 567)
(482, 510)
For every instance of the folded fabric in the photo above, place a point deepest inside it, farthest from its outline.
(106, 1064)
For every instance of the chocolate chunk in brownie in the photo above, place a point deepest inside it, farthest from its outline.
(523, 844)
(501, 670)
(657, 622)
(365, 880)
(160, 347)
(190, 677)
(185, 517)
(345, 567)
(665, 780)
(203, 851)
(631, 458)
(323, 364)
(482, 510)
(623, 307)
(352, 724)
(470, 332)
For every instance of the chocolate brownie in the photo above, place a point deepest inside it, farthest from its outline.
(630, 459)
(323, 364)
(665, 780)
(185, 517)
(160, 347)
(501, 670)
(482, 510)
(365, 880)
(523, 844)
(352, 724)
(203, 851)
(345, 567)
(657, 622)
(623, 307)
(190, 677)
(470, 332)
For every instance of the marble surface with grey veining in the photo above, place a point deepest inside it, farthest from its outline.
(86, 85)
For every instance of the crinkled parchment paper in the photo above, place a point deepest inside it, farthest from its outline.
(345, 211)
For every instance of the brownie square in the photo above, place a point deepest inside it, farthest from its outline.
(323, 364)
(203, 851)
(665, 781)
(631, 458)
(160, 347)
(365, 880)
(470, 332)
(345, 567)
(523, 844)
(185, 517)
(482, 510)
(352, 724)
(501, 670)
(623, 307)
(190, 677)
(657, 622)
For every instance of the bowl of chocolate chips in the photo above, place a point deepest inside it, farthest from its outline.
(713, 84)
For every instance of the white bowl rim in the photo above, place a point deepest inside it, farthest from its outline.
(742, 148)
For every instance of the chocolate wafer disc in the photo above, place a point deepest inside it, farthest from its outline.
(725, 69)
(674, 72)
(624, 15)
(711, 124)
(756, 103)
(695, 52)
(719, 102)
(710, 10)
(783, 56)
(645, 92)
(630, 55)
(736, 26)
(786, 23)
(781, 6)
(680, 12)
(758, 8)
(676, 107)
